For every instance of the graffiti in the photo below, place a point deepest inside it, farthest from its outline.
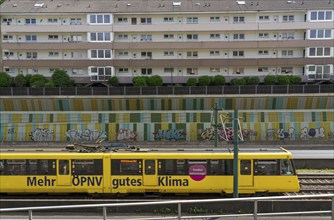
(208, 134)
(280, 133)
(248, 133)
(126, 135)
(170, 134)
(227, 134)
(331, 135)
(86, 135)
(41, 134)
(11, 131)
(307, 133)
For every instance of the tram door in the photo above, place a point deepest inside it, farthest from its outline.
(246, 177)
(63, 173)
(150, 175)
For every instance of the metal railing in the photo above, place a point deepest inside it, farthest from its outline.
(167, 90)
(179, 204)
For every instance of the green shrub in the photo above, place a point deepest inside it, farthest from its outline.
(205, 80)
(238, 82)
(5, 80)
(218, 80)
(20, 81)
(270, 80)
(283, 80)
(192, 82)
(295, 80)
(154, 81)
(253, 80)
(61, 79)
(113, 81)
(139, 81)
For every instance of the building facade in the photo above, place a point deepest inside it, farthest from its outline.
(95, 40)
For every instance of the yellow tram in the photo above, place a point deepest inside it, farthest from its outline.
(147, 171)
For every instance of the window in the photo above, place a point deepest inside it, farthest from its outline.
(286, 167)
(75, 21)
(100, 73)
(146, 37)
(264, 18)
(99, 19)
(214, 19)
(286, 70)
(77, 72)
(238, 70)
(31, 55)
(238, 36)
(319, 51)
(146, 55)
(239, 19)
(30, 21)
(123, 70)
(122, 20)
(7, 37)
(214, 53)
(87, 167)
(8, 54)
(321, 16)
(192, 20)
(52, 20)
(286, 53)
(169, 70)
(52, 37)
(192, 37)
(100, 36)
(266, 167)
(123, 53)
(168, 53)
(100, 54)
(146, 71)
(262, 69)
(263, 35)
(168, 36)
(320, 33)
(263, 52)
(53, 54)
(192, 54)
(126, 167)
(168, 19)
(146, 20)
(27, 167)
(214, 36)
(214, 70)
(238, 53)
(245, 167)
(288, 35)
(122, 36)
(288, 18)
(192, 71)
(31, 38)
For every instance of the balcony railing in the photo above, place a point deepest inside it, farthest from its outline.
(168, 90)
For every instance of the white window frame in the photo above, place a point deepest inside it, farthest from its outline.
(98, 35)
(238, 53)
(321, 15)
(95, 19)
(100, 54)
(192, 36)
(168, 53)
(288, 18)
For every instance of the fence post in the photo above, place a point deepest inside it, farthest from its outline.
(104, 213)
(179, 212)
(30, 214)
(255, 209)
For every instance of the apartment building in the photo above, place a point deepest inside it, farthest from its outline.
(176, 39)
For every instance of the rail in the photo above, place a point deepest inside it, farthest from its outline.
(179, 204)
(168, 90)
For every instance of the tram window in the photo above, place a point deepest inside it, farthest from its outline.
(286, 167)
(63, 167)
(126, 167)
(46, 167)
(87, 167)
(228, 167)
(217, 167)
(181, 167)
(2, 166)
(245, 167)
(166, 167)
(32, 167)
(265, 167)
(149, 167)
(16, 167)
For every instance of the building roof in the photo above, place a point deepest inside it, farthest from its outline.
(158, 6)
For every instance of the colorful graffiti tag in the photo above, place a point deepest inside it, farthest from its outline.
(41, 134)
(171, 134)
(126, 135)
(86, 135)
(309, 133)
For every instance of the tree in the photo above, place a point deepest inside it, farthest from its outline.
(38, 81)
(283, 80)
(139, 81)
(192, 82)
(253, 80)
(154, 81)
(219, 80)
(61, 79)
(5, 80)
(205, 80)
(20, 81)
(270, 80)
(113, 81)
(238, 82)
